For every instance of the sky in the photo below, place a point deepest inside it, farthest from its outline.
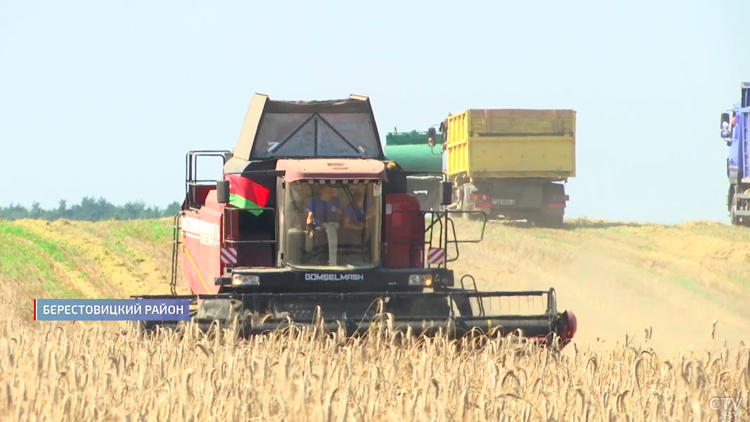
(104, 98)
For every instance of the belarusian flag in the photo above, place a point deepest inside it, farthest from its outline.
(245, 194)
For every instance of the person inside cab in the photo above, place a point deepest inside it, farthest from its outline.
(728, 128)
(326, 208)
(357, 217)
(323, 216)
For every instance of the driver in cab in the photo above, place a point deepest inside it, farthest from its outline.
(323, 216)
(325, 208)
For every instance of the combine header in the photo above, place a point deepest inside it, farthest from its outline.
(311, 220)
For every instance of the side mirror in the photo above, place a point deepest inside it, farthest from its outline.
(724, 119)
(222, 191)
(431, 136)
(447, 192)
(726, 129)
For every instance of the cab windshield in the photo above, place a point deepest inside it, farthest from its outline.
(332, 225)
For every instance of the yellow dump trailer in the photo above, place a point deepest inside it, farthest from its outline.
(511, 162)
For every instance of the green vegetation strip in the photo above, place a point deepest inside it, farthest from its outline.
(123, 234)
(154, 231)
(22, 256)
(701, 291)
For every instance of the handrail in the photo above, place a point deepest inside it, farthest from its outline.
(175, 252)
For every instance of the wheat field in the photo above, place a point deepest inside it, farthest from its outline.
(89, 373)
(642, 370)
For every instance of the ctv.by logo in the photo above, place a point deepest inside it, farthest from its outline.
(728, 408)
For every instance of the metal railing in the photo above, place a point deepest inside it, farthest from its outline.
(191, 172)
(176, 227)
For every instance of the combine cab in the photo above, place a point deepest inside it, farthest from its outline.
(251, 247)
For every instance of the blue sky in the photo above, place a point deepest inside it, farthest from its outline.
(103, 98)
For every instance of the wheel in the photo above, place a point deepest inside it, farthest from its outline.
(735, 219)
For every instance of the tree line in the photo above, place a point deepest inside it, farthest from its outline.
(89, 209)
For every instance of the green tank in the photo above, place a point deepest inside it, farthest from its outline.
(412, 152)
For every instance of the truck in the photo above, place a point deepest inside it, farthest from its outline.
(735, 131)
(422, 157)
(511, 164)
(312, 225)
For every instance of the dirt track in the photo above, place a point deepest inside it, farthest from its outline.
(619, 280)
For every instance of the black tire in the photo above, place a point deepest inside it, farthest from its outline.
(730, 197)
(736, 220)
(733, 218)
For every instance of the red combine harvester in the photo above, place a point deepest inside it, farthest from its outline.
(310, 213)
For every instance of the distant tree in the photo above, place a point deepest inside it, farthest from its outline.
(14, 212)
(36, 211)
(90, 209)
(172, 208)
(60, 212)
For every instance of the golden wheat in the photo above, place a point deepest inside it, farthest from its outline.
(96, 372)
(78, 372)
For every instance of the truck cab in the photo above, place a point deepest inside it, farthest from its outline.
(735, 131)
